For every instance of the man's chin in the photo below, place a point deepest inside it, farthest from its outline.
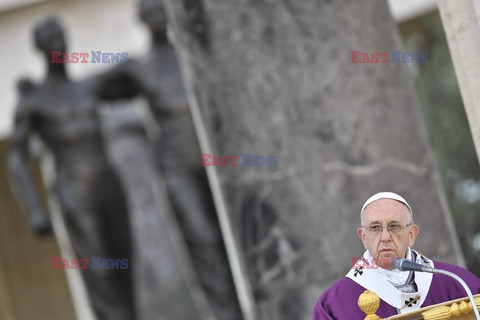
(387, 255)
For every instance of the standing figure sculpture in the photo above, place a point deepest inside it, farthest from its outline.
(158, 78)
(63, 113)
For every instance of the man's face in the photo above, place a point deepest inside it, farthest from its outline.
(384, 245)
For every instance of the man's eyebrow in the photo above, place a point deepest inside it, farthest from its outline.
(378, 222)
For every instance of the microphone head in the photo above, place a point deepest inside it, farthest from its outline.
(399, 263)
(407, 265)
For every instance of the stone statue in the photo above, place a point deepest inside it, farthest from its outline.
(63, 113)
(158, 78)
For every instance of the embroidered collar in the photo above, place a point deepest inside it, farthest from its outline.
(366, 275)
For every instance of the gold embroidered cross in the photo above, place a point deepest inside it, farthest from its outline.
(411, 301)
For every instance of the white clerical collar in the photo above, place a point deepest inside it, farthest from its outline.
(365, 273)
(395, 276)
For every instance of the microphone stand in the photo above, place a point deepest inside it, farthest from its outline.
(403, 264)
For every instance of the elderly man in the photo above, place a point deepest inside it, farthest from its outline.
(387, 232)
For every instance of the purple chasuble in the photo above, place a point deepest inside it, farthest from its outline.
(339, 302)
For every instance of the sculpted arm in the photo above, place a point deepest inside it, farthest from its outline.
(20, 177)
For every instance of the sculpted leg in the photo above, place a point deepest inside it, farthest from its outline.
(100, 230)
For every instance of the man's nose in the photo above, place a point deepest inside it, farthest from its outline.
(385, 235)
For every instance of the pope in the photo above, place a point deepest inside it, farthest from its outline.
(388, 232)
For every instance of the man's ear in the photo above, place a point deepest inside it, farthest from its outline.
(414, 230)
(361, 235)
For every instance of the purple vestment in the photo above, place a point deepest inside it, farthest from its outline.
(339, 302)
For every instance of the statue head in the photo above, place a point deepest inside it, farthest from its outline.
(152, 13)
(49, 36)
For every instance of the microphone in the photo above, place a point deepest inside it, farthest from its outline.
(403, 264)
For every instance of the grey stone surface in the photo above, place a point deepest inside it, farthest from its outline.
(276, 79)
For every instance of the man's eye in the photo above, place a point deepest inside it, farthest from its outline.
(395, 227)
(375, 228)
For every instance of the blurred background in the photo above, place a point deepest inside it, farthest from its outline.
(448, 128)
(27, 282)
